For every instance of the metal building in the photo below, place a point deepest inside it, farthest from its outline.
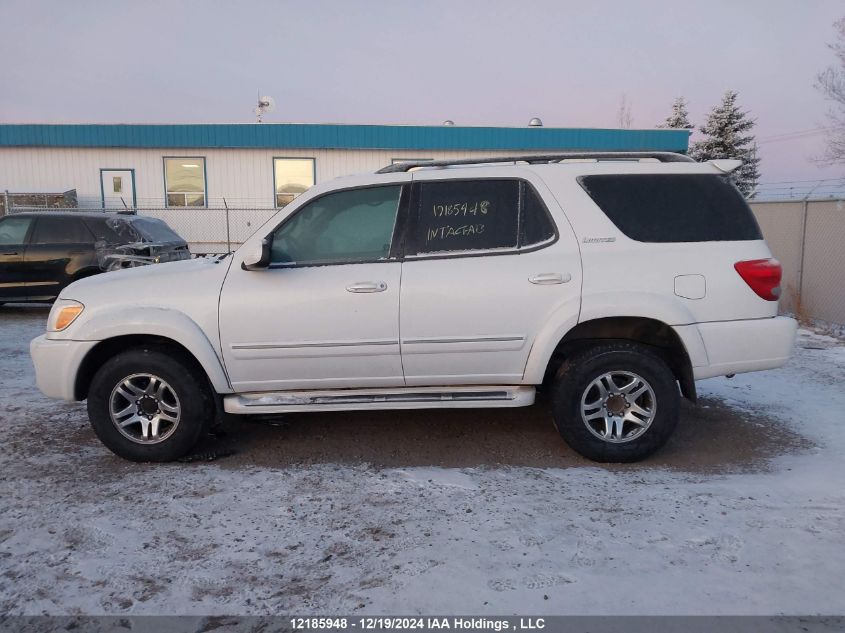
(163, 170)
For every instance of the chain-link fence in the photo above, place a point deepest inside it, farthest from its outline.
(207, 230)
(807, 236)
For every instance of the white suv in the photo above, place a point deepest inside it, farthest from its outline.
(615, 280)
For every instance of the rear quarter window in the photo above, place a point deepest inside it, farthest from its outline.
(673, 207)
(113, 230)
(155, 230)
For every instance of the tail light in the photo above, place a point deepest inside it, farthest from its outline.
(762, 276)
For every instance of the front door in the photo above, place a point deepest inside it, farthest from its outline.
(326, 312)
(488, 262)
(118, 188)
(13, 237)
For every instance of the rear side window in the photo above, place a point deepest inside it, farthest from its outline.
(673, 207)
(61, 230)
(535, 224)
(477, 215)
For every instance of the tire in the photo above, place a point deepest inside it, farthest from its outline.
(580, 407)
(155, 389)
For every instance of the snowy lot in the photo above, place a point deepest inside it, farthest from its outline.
(484, 512)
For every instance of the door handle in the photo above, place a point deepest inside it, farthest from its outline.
(367, 286)
(550, 278)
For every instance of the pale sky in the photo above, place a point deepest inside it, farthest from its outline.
(478, 63)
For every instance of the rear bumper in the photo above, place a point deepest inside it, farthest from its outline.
(735, 347)
(56, 365)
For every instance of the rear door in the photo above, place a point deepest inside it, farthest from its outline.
(60, 248)
(13, 235)
(488, 260)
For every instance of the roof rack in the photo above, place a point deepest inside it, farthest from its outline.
(663, 157)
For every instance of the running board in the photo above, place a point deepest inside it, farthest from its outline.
(477, 397)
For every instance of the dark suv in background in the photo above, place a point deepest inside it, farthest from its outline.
(42, 252)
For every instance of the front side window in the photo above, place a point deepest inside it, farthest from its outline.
(292, 176)
(185, 182)
(61, 230)
(348, 226)
(477, 215)
(13, 230)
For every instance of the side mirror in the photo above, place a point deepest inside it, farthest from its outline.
(259, 258)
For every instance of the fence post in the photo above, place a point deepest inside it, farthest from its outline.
(804, 242)
(228, 238)
(6, 202)
(803, 245)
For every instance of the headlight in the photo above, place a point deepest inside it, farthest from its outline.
(64, 313)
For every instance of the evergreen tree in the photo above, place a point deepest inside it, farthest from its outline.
(679, 119)
(727, 135)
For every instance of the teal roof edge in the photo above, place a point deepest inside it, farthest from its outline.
(334, 136)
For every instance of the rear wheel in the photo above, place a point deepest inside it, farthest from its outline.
(149, 404)
(615, 402)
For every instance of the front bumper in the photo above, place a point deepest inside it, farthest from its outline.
(57, 363)
(735, 347)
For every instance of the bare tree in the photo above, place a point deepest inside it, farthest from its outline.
(831, 83)
(623, 115)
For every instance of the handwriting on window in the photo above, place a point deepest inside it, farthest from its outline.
(458, 210)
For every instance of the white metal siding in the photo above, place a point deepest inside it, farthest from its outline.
(243, 176)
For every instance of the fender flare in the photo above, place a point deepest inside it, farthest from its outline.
(559, 322)
(163, 322)
(657, 307)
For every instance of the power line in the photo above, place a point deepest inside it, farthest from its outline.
(791, 182)
(792, 136)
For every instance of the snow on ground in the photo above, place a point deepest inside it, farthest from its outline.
(482, 512)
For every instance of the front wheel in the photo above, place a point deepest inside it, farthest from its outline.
(149, 405)
(615, 402)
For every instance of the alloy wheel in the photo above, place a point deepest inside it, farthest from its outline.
(618, 406)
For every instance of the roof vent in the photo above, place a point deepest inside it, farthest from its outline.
(448, 122)
(535, 122)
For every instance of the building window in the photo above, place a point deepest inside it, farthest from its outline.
(292, 176)
(184, 180)
(117, 184)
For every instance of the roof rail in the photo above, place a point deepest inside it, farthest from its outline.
(663, 157)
